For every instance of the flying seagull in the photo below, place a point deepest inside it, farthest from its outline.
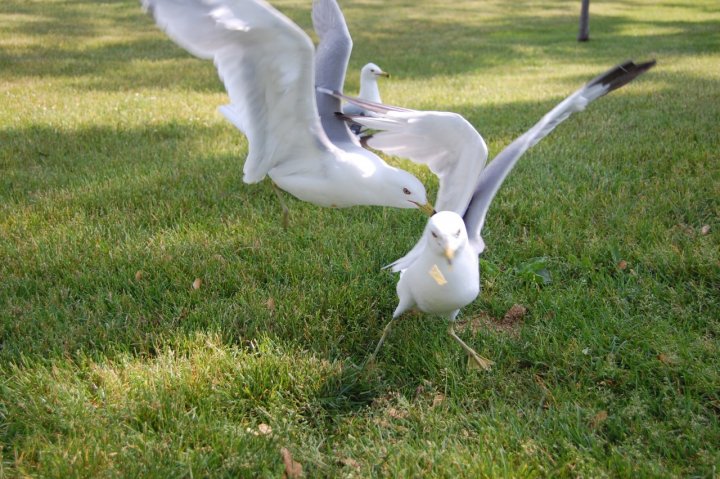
(266, 63)
(441, 274)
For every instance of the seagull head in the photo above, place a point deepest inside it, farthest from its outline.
(446, 234)
(371, 72)
(400, 189)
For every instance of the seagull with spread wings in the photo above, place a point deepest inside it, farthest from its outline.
(267, 64)
(440, 275)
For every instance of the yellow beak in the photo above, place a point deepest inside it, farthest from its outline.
(383, 74)
(427, 208)
(449, 254)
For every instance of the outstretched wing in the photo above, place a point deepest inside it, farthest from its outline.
(446, 142)
(493, 176)
(266, 64)
(331, 60)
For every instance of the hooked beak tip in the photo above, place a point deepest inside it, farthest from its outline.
(427, 208)
(449, 254)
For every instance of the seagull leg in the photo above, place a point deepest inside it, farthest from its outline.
(484, 363)
(406, 302)
(285, 210)
(382, 340)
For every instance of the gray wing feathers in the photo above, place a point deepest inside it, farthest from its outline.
(333, 51)
(331, 60)
(493, 176)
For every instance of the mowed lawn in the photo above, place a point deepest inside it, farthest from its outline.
(157, 321)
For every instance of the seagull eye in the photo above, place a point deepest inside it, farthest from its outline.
(433, 233)
(406, 191)
(457, 235)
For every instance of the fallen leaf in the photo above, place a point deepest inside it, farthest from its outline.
(394, 413)
(705, 229)
(667, 359)
(350, 462)
(599, 418)
(270, 304)
(515, 314)
(382, 422)
(293, 469)
(622, 264)
(264, 429)
(197, 283)
(138, 275)
(438, 399)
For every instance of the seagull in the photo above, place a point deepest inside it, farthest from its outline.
(369, 91)
(266, 63)
(441, 274)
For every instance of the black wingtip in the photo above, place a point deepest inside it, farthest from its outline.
(622, 74)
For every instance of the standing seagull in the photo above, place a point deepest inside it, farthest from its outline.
(441, 275)
(369, 89)
(266, 63)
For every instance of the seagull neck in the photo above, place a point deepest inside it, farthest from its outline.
(369, 90)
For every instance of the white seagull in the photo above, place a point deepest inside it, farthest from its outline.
(441, 274)
(369, 89)
(266, 63)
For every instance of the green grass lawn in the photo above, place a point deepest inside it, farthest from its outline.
(120, 185)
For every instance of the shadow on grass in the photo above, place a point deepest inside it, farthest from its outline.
(469, 43)
(40, 160)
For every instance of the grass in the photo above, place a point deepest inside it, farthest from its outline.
(121, 185)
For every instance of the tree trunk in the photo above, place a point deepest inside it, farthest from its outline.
(584, 34)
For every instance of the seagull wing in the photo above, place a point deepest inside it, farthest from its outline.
(266, 64)
(493, 176)
(331, 60)
(446, 142)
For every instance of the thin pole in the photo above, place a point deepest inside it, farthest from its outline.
(584, 34)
